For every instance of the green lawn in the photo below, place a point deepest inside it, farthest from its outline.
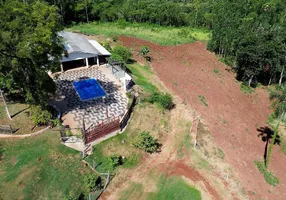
(155, 33)
(40, 168)
(175, 188)
(113, 146)
(140, 79)
(171, 188)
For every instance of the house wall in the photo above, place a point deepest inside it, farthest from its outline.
(73, 64)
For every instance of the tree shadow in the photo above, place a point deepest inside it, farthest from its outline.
(17, 113)
(16, 97)
(266, 135)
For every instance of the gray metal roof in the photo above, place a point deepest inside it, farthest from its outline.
(77, 43)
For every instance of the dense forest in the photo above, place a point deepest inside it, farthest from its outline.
(249, 35)
(162, 12)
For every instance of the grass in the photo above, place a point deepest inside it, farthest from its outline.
(135, 191)
(174, 188)
(40, 168)
(268, 176)
(199, 161)
(283, 145)
(203, 100)
(21, 122)
(155, 33)
(168, 188)
(246, 89)
(140, 79)
(102, 160)
(185, 143)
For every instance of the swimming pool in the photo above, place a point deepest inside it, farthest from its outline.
(88, 89)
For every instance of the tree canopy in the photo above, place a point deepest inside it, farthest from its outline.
(251, 36)
(29, 48)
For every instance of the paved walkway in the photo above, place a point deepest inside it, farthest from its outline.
(93, 111)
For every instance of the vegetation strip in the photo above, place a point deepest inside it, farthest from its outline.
(158, 34)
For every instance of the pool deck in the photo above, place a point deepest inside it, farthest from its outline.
(94, 111)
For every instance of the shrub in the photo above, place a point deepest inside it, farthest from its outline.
(216, 71)
(93, 182)
(146, 142)
(116, 161)
(203, 100)
(122, 52)
(42, 116)
(164, 100)
(144, 51)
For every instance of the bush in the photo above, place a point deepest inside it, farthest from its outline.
(93, 182)
(144, 51)
(42, 116)
(146, 142)
(122, 52)
(203, 100)
(164, 100)
(116, 161)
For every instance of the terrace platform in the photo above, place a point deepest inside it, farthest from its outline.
(92, 111)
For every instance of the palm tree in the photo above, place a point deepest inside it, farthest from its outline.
(279, 104)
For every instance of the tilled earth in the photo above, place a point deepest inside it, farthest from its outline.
(196, 75)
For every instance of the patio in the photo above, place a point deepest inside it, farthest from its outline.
(94, 111)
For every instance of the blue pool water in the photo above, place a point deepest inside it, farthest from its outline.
(88, 89)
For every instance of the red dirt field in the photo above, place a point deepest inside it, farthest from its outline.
(232, 116)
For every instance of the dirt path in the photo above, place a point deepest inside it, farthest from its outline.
(164, 162)
(232, 117)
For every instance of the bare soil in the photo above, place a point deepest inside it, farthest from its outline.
(231, 116)
(164, 163)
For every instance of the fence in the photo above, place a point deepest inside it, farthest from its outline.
(95, 132)
(101, 130)
(127, 115)
(6, 129)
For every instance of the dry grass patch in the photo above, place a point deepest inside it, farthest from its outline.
(21, 122)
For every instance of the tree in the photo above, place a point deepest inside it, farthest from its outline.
(250, 35)
(29, 47)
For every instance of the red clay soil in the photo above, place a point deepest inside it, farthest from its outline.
(182, 169)
(232, 117)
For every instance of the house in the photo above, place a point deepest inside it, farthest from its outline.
(81, 52)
